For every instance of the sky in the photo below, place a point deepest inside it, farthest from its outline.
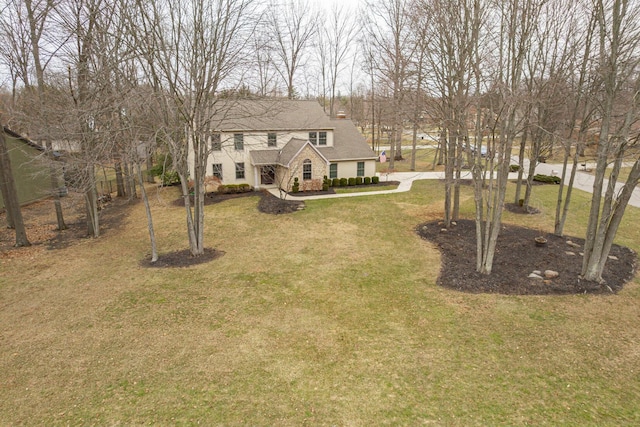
(352, 5)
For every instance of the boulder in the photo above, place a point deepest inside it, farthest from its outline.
(550, 274)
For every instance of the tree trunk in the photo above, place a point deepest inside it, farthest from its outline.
(147, 208)
(55, 186)
(120, 190)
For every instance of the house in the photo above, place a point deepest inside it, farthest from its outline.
(29, 170)
(267, 144)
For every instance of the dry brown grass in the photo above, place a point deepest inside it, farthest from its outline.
(329, 316)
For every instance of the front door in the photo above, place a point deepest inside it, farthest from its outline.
(267, 174)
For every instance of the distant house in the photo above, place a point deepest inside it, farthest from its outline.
(267, 144)
(28, 167)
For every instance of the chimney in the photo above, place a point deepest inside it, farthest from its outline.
(341, 115)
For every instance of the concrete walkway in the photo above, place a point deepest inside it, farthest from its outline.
(584, 181)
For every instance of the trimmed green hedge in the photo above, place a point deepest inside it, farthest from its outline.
(234, 188)
(549, 179)
(375, 179)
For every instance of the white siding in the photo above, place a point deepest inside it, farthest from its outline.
(229, 156)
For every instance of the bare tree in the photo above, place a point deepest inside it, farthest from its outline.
(581, 107)
(618, 59)
(387, 27)
(190, 51)
(293, 26)
(338, 32)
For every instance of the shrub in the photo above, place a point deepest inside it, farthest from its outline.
(296, 185)
(352, 182)
(325, 186)
(343, 182)
(358, 180)
(549, 179)
(234, 188)
(514, 168)
(367, 180)
(227, 189)
(335, 182)
(375, 179)
(163, 169)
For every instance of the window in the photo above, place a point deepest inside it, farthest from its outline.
(216, 142)
(333, 170)
(306, 169)
(360, 169)
(217, 170)
(238, 141)
(240, 170)
(318, 138)
(322, 139)
(272, 140)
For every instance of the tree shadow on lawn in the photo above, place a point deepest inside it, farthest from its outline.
(517, 256)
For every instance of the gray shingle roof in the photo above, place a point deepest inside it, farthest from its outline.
(348, 143)
(279, 157)
(267, 115)
(287, 115)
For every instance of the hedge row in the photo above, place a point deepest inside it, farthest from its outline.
(547, 178)
(234, 188)
(349, 182)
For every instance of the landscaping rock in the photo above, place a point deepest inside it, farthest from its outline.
(570, 253)
(613, 257)
(573, 245)
(538, 272)
(535, 276)
(550, 274)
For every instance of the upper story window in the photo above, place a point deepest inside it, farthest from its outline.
(322, 138)
(272, 140)
(238, 141)
(216, 142)
(306, 169)
(318, 138)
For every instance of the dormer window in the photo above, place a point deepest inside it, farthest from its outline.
(322, 138)
(318, 138)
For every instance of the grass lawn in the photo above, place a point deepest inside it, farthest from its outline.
(329, 316)
(361, 189)
(424, 161)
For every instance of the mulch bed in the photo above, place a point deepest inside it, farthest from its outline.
(516, 257)
(273, 205)
(182, 258)
(517, 209)
(213, 198)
